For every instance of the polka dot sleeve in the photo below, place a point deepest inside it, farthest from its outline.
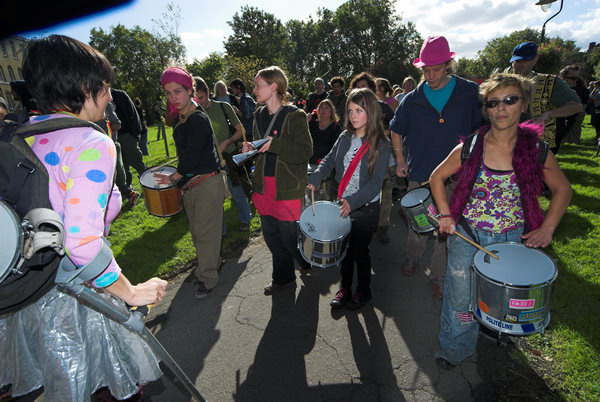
(88, 188)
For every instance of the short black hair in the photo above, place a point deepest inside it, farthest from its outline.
(61, 72)
(201, 85)
(364, 76)
(237, 83)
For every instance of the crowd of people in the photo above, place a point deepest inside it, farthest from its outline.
(356, 145)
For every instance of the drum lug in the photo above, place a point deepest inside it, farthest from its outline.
(27, 228)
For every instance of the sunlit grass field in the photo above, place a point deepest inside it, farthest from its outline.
(572, 342)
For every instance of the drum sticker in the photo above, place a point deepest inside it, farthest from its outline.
(521, 304)
(432, 210)
(531, 315)
(422, 220)
(510, 318)
(484, 307)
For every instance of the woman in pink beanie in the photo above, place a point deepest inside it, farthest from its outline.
(198, 174)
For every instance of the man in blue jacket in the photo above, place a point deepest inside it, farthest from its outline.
(427, 125)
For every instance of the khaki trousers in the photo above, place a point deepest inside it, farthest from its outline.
(203, 206)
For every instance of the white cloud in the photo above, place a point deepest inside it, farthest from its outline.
(470, 24)
(200, 43)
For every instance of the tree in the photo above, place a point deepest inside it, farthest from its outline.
(259, 34)
(373, 34)
(554, 54)
(244, 68)
(497, 53)
(211, 68)
(140, 56)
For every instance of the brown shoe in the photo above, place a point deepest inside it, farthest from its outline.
(409, 268)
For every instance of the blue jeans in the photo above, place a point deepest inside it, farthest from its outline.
(240, 201)
(458, 328)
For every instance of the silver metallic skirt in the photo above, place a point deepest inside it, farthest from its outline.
(71, 350)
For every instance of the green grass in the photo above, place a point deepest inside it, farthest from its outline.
(147, 246)
(572, 342)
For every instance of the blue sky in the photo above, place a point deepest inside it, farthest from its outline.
(468, 24)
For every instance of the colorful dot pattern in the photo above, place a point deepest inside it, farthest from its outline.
(81, 164)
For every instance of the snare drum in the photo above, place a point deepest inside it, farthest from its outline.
(323, 237)
(161, 200)
(512, 294)
(416, 205)
(12, 240)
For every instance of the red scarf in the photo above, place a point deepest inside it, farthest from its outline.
(352, 167)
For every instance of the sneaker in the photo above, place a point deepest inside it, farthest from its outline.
(341, 298)
(244, 227)
(202, 292)
(272, 287)
(133, 198)
(444, 364)
(359, 299)
(382, 235)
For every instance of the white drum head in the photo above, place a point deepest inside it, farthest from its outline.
(415, 197)
(518, 265)
(148, 180)
(12, 240)
(326, 224)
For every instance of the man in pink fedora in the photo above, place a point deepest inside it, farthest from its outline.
(427, 125)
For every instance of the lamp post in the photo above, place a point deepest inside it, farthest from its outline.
(543, 3)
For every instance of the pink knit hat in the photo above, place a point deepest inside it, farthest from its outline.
(435, 50)
(178, 75)
(181, 77)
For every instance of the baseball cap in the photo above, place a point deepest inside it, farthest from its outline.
(524, 51)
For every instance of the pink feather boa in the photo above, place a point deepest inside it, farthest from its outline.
(530, 176)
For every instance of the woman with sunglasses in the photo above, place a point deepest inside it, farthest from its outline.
(496, 200)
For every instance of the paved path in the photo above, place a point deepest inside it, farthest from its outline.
(241, 345)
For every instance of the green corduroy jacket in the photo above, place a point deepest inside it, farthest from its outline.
(293, 147)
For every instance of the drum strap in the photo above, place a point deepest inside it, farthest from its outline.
(352, 167)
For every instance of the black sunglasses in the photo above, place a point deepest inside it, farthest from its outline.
(509, 100)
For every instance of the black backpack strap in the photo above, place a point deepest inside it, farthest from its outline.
(468, 145)
(24, 169)
(50, 125)
(542, 151)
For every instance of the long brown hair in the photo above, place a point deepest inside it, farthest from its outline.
(374, 132)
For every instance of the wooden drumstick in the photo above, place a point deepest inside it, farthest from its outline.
(312, 198)
(468, 240)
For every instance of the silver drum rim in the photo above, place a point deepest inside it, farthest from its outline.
(10, 227)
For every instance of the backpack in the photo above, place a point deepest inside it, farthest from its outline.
(32, 232)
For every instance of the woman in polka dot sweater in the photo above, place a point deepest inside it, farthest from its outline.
(56, 342)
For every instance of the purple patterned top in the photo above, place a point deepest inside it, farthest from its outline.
(495, 202)
(81, 164)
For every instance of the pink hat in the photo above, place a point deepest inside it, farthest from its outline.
(435, 50)
(178, 75)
